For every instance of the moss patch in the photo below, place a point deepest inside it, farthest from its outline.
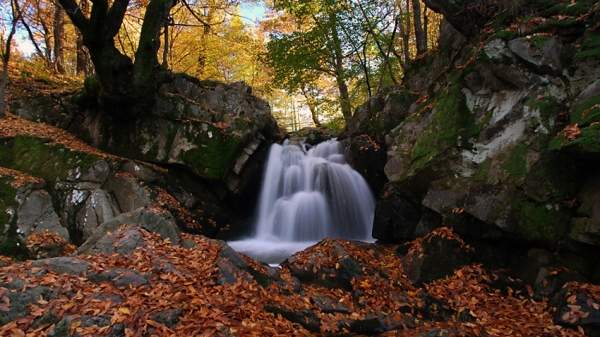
(548, 107)
(452, 125)
(516, 162)
(214, 154)
(590, 48)
(539, 222)
(10, 243)
(588, 141)
(38, 157)
(576, 8)
(587, 112)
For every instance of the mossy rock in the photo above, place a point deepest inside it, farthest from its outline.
(586, 112)
(516, 162)
(588, 142)
(539, 222)
(41, 158)
(10, 242)
(590, 48)
(452, 125)
(214, 154)
(571, 8)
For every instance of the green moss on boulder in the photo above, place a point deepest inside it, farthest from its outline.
(516, 163)
(452, 125)
(588, 142)
(41, 158)
(215, 153)
(540, 222)
(10, 243)
(590, 48)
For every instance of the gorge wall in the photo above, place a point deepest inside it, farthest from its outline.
(194, 162)
(496, 134)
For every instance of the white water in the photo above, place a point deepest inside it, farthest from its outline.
(308, 195)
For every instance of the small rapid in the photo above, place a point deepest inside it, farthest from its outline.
(308, 194)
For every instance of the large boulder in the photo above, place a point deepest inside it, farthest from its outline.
(485, 143)
(211, 129)
(328, 264)
(435, 256)
(152, 220)
(578, 305)
(397, 215)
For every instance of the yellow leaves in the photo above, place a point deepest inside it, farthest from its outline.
(68, 306)
(124, 310)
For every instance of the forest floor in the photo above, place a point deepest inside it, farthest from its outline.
(165, 290)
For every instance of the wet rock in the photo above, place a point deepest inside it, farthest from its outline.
(36, 214)
(308, 319)
(141, 171)
(586, 225)
(576, 308)
(169, 317)
(435, 256)
(63, 265)
(20, 300)
(99, 207)
(120, 277)
(467, 16)
(380, 114)
(307, 266)
(396, 215)
(232, 266)
(550, 281)
(129, 193)
(435, 309)
(98, 172)
(47, 319)
(378, 324)
(541, 52)
(121, 241)
(368, 158)
(152, 220)
(438, 333)
(329, 305)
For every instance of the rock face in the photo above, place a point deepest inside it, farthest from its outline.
(437, 255)
(213, 138)
(56, 190)
(497, 133)
(210, 128)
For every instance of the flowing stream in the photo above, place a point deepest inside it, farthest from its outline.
(308, 194)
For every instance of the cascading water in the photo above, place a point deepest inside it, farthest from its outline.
(308, 195)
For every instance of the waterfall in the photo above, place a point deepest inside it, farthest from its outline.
(308, 194)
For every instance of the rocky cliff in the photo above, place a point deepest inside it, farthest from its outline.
(496, 134)
(197, 156)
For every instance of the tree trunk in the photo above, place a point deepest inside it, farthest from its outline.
(340, 77)
(425, 28)
(6, 55)
(46, 33)
(83, 61)
(165, 55)
(208, 14)
(58, 25)
(312, 106)
(126, 88)
(146, 67)
(419, 35)
(405, 33)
